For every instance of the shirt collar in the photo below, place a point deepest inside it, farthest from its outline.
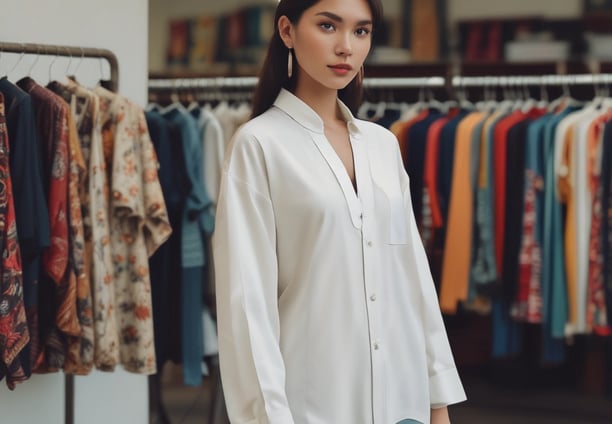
(306, 116)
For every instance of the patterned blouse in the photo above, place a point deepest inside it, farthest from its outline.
(139, 224)
(14, 333)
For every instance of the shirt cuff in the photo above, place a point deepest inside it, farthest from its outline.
(445, 388)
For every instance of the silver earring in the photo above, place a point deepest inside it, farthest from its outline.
(290, 65)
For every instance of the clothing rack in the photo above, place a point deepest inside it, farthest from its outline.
(535, 80)
(67, 51)
(251, 82)
(112, 84)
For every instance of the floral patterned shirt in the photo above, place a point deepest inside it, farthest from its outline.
(139, 224)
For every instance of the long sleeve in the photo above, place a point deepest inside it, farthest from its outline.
(244, 246)
(445, 386)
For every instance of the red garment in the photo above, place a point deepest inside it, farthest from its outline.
(528, 301)
(596, 293)
(52, 121)
(14, 333)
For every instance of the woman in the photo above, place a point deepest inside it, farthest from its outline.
(327, 312)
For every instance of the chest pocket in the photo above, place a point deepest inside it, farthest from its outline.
(394, 222)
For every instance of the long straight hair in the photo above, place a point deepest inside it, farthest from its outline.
(273, 74)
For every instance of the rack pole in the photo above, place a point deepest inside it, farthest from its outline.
(250, 82)
(521, 80)
(73, 51)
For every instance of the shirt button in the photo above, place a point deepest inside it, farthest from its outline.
(373, 297)
(370, 243)
(376, 345)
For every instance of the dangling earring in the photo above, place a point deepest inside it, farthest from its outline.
(290, 65)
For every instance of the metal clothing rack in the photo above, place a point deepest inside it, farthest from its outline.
(533, 80)
(112, 84)
(67, 51)
(251, 82)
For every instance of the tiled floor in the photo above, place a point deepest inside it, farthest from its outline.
(487, 403)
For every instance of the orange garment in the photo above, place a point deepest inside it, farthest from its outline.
(566, 196)
(484, 159)
(458, 245)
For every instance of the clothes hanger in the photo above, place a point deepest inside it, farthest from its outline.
(72, 75)
(34, 62)
(16, 63)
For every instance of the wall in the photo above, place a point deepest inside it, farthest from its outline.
(120, 26)
(161, 10)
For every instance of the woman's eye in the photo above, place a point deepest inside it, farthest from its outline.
(362, 32)
(327, 26)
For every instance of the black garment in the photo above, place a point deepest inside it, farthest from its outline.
(445, 162)
(30, 204)
(165, 264)
(415, 160)
(515, 199)
(606, 222)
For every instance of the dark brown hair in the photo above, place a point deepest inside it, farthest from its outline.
(273, 74)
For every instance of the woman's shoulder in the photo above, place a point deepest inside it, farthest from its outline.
(261, 126)
(375, 133)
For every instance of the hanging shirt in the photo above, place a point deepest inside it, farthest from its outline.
(606, 205)
(196, 223)
(30, 204)
(458, 248)
(14, 333)
(554, 276)
(59, 282)
(573, 186)
(326, 307)
(80, 350)
(165, 264)
(596, 319)
(214, 151)
(484, 268)
(138, 225)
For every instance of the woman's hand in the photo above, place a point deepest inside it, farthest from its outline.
(440, 416)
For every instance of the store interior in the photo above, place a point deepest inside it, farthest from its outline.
(431, 55)
(423, 50)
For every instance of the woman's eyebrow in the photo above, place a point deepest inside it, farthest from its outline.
(337, 18)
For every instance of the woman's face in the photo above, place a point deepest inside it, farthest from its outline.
(330, 41)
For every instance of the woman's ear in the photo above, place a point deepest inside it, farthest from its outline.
(285, 30)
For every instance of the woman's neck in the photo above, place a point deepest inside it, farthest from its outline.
(322, 100)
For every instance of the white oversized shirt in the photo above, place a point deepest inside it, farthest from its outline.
(327, 312)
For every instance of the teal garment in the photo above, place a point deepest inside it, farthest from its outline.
(207, 218)
(553, 264)
(192, 333)
(474, 168)
(193, 235)
(507, 333)
(537, 149)
(409, 422)
(194, 225)
(484, 268)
